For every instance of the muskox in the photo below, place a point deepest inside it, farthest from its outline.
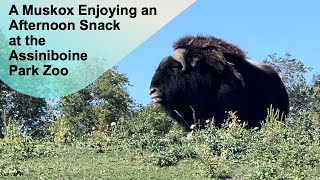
(207, 77)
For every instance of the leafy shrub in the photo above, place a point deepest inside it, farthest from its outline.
(24, 148)
(229, 140)
(173, 154)
(10, 169)
(168, 149)
(61, 132)
(166, 159)
(148, 120)
(97, 140)
(276, 151)
(14, 146)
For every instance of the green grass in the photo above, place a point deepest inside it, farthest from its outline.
(86, 163)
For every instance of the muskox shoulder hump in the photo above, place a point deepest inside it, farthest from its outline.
(264, 67)
(210, 43)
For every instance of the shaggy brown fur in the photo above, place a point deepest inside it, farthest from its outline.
(220, 53)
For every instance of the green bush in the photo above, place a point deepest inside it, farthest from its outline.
(15, 148)
(173, 153)
(148, 120)
(8, 168)
(165, 159)
(276, 151)
(233, 138)
(61, 132)
(97, 140)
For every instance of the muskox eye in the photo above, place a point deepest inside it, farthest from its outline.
(194, 61)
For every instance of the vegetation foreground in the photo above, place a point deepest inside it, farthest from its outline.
(151, 146)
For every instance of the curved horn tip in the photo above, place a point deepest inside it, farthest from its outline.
(179, 55)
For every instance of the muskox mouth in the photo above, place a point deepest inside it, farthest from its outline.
(157, 99)
(156, 95)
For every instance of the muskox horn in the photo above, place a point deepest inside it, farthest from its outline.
(179, 55)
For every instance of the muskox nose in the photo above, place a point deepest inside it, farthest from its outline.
(156, 95)
(153, 90)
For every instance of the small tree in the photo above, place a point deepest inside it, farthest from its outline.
(112, 100)
(77, 112)
(315, 105)
(292, 73)
(26, 111)
(95, 107)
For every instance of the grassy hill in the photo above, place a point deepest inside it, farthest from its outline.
(152, 147)
(113, 164)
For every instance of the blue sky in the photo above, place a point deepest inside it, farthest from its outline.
(258, 27)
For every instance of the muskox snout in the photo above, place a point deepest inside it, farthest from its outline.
(156, 95)
(152, 91)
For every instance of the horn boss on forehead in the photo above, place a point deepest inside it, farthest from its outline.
(215, 78)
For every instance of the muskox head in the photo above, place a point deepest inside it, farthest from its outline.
(185, 84)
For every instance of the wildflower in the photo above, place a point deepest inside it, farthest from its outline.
(291, 108)
(193, 126)
(190, 135)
